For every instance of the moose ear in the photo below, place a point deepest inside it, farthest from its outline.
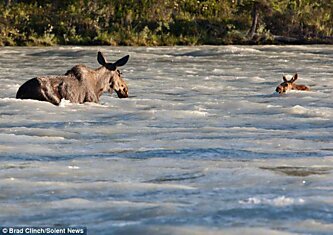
(100, 58)
(111, 66)
(285, 79)
(294, 77)
(121, 61)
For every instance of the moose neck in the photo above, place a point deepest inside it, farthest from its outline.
(101, 73)
(102, 80)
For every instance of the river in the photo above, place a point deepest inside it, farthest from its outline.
(203, 145)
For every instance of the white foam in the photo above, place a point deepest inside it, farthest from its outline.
(278, 201)
(243, 49)
(64, 103)
(74, 167)
(311, 112)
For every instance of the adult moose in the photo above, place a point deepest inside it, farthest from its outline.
(80, 84)
(290, 85)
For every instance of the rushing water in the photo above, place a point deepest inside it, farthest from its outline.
(202, 146)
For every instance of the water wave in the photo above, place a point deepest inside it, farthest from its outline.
(278, 201)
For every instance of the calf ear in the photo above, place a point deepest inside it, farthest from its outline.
(121, 61)
(294, 78)
(285, 79)
(100, 58)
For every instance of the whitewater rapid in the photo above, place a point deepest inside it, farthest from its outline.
(203, 145)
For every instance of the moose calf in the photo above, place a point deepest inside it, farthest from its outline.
(290, 85)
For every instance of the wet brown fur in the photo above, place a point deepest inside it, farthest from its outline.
(79, 84)
(290, 85)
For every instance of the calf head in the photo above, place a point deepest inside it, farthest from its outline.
(113, 77)
(287, 85)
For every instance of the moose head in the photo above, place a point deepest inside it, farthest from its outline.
(290, 85)
(113, 77)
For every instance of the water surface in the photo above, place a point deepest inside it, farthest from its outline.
(202, 146)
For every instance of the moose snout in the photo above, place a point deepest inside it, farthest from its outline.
(122, 93)
(123, 96)
(279, 89)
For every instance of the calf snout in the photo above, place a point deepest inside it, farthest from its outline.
(279, 89)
